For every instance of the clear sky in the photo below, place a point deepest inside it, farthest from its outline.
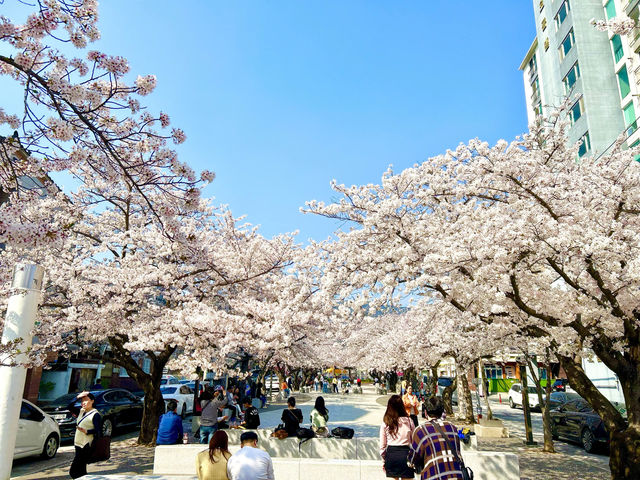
(280, 97)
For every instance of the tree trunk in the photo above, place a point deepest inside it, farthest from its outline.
(544, 406)
(433, 380)
(465, 402)
(624, 438)
(150, 384)
(392, 379)
(485, 383)
(446, 396)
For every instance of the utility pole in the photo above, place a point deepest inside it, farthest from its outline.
(19, 322)
(525, 405)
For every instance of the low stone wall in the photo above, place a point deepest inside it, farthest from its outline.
(328, 458)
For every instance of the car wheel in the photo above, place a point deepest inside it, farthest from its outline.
(588, 440)
(511, 404)
(50, 446)
(184, 411)
(107, 427)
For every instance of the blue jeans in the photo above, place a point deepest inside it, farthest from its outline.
(206, 432)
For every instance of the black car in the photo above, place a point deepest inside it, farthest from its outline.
(558, 398)
(118, 407)
(576, 421)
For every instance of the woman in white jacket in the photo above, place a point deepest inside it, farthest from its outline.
(89, 425)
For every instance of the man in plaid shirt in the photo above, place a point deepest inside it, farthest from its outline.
(429, 448)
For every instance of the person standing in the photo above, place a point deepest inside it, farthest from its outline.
(411, 405)
(89, 426)
(212, 464)
(170, 426)
(209, 418)
(395, 439)
(292, 417)
(250, 463)
(432, 444)
(334, 382)
(319, 418)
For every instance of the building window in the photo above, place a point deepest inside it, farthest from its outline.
(544, 24)
(571, 77)
(634, 145)
(562, 13)
(546, 44)
(538, 110)
(616, 45)
(491, 371)
(576, 111)
(629, 118)
(585, 146)
(623, 82)
(566, 44)
(610, 9)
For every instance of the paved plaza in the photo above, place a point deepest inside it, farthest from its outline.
(364, 414)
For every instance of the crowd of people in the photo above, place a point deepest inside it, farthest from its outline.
(432, 449)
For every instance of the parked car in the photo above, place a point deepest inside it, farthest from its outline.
(443, 382)
(576, 421)
(182, 394)
(38, 433)
(169, 380)
(118, 407)
(515, 396)
(558, 398)
(560, 385)
(192, 386)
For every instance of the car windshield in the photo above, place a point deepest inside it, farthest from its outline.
(168, 390)
(163, 381)
(64, 400)
(532, 390)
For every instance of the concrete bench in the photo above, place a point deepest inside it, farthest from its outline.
(329, 458)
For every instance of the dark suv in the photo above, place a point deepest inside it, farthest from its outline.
(118, 407)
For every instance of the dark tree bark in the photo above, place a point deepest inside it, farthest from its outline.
(149, 382)
(465, 402)
(446, 396)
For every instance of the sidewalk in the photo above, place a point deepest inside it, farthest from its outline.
(364, 414)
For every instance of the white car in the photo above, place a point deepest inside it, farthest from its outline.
(169, 380)
(183, 396)
(515, 396)
(38, 433)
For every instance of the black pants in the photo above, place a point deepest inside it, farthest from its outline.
(415, 419)
(79, 464)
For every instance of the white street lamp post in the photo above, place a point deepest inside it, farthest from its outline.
(19, 322)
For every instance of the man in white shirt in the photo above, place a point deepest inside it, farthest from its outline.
(250, 463)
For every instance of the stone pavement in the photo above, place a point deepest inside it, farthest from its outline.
(364, 414)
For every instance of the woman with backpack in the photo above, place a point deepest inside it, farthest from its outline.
(395, 439)
(319, 418)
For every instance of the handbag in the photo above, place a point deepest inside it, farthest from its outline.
(467, 473)
(101, 450)
(343, 432)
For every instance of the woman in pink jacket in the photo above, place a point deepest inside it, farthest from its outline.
(395, 439)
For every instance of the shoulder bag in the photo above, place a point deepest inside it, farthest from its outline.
(467, 473)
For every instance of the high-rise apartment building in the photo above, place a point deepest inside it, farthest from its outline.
(570, 58)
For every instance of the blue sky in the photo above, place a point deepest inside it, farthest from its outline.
(280, 97)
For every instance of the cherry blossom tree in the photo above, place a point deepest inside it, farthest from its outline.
(523, 235)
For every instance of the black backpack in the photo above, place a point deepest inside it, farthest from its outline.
(304, 433)
(342, 432)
